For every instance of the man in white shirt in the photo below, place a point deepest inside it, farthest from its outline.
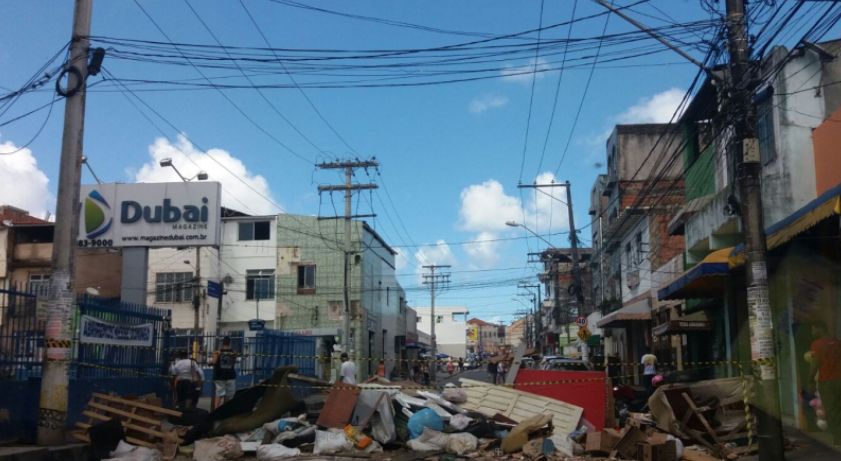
(348, 370)
(649, 364)
(187, 376)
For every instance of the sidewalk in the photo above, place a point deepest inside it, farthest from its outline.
(808, 447)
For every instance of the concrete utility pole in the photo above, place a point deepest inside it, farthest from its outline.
(52, 407)
(573, 240)
(348, 188)
(745, 148)
(538, 306)
(196, 304)
(433, 280)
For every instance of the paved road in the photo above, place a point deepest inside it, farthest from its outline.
(478, 374)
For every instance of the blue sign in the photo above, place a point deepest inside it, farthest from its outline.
(214, 289)
(256, 325)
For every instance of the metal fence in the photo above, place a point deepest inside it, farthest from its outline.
(21, 335)
(22, 322)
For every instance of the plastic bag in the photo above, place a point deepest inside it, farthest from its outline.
(460, 421)
(330, 442)
(426, 418)
(454, 395)
(129, 452)
(461, 443)
(217, 449)
(276, 451)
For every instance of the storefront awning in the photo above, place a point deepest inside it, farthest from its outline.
(594, 340)
(705, 280)
(807, 217)
(633, 312)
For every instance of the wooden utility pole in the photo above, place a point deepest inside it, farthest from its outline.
(745, 149)
(52, 407)
(434, 280)
(348, 188)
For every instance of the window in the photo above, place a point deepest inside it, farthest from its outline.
(259, 284)
(439, 318)
(39, 284)
(173, 287)
(254, 230)
(765, 132)
(628, 258)
(306, 279)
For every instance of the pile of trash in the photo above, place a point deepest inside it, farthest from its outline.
(396, 420)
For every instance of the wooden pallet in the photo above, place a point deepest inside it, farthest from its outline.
(141, 422)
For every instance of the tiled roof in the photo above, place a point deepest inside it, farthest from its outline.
(18, 216)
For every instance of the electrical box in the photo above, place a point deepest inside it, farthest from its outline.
(750, 150)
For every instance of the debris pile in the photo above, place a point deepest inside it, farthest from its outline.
(396, 420)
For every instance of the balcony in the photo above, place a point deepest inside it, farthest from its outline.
(33, 254)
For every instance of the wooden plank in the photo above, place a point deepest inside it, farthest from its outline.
(156, 409)
(84, 438)
(115, 411)
(145, 430)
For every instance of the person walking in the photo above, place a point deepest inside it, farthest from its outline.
(187, 377)
(492, 369)
(649, 369)
(451, 367)
(501, 369)
(224, 375)
(461, 365)
(826, 372)
(348, 370)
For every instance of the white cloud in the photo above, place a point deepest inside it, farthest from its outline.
(22, 183)
(523, 74)
(440, 253)
(229, 170)
(655, 109)
(486, 102)
(484, 253)
(486, 207)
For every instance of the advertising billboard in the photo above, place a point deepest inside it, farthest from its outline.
(174, 214)
(472, 334)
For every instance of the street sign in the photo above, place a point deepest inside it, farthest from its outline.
(256, 325)
(581, 321)
(214, 289)
(584, 333)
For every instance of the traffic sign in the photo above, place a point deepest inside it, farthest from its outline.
(584, 333)
(581, 321)
(214, 289)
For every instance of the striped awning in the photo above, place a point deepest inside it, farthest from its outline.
(705, 280)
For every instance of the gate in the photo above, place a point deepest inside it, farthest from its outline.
(21, 335)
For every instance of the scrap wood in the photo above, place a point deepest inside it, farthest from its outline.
(339, 406)
(518, 405)
(141, 421)
(691, 454)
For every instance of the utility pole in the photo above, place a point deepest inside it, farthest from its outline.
(576, 273)
(746, 151)
(348, 188)
(576, 270)
(52, 407)
(538, 306)
(196, 304)
(433, 280)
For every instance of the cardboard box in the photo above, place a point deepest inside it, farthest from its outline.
(656, 452)
(626, 447)
(602, 442)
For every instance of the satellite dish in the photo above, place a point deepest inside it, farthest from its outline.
(92, 291)
(228, 279)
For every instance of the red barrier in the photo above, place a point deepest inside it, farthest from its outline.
(590, 393)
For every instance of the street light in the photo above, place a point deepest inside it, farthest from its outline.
(516, 224)
(167, 162)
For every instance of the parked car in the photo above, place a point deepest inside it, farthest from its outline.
(554, 362)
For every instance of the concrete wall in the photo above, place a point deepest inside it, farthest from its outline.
(451, 331)
(636, 270)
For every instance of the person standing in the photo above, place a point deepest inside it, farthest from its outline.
(492, 369)
(348, 370)
(826, 370)
(187, 377)
(649, 369)
(461, 365)
(381, 369)
(224, 373)
(501, 369)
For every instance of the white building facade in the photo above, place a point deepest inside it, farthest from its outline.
(450, 328)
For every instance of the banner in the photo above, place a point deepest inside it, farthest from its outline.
(96, 331)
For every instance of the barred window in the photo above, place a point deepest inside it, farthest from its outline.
(173, 287)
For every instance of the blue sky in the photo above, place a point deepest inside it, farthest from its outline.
(451, 154)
